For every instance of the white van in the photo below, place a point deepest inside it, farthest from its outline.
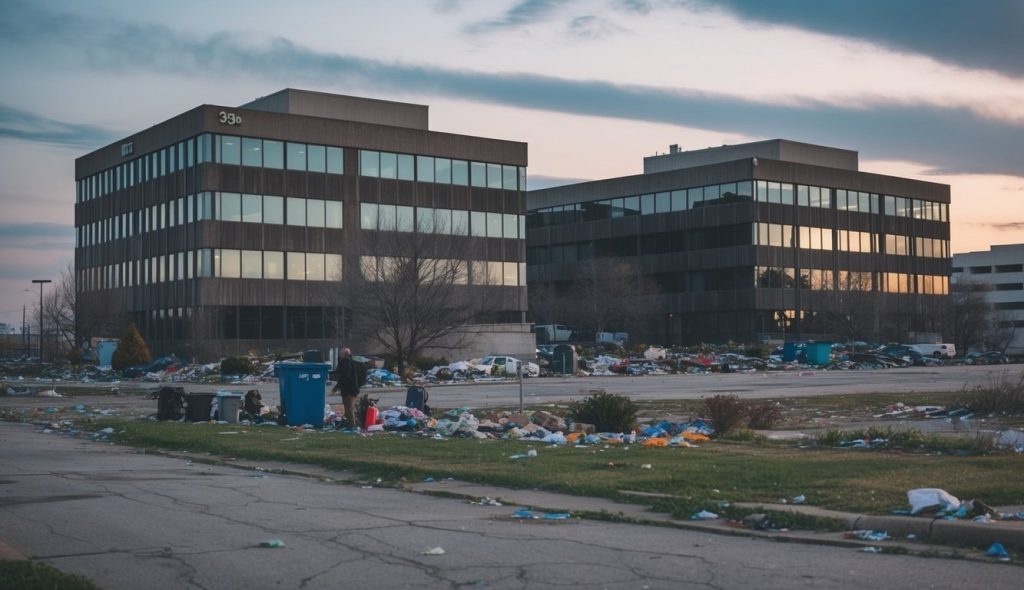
(938, 350)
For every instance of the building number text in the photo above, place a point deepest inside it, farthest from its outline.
(230, 118)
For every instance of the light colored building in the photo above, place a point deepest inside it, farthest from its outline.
(1002, 268)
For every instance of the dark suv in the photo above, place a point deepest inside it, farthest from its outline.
(901, 351)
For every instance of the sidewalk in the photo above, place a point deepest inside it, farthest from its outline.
(925, 531)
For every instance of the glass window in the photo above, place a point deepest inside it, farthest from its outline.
(252, 152)
(425, 220)
(460, 223)
(494, 176)
(368, 215)
(678, 200)
(273, 209)
(369, 163)
(631, 205)
(494, 225)
(406, 167)
(316, 158)
(315, 213)
(230, 151)
(510, 274)
(478, 173)
(787, 194)
(333, 216)
(230, 264)
(252, 208)
(460, 172)
(332, 267)
(478, 223)
(495, 273)
(424, 169)
(663, 202)
(443, 170)
(386, 218)
(273, 265)
(405, 218)
(296, 212)
(230, 206)
(335, 160)
(190, 153)
(695, 195)
(296, 156)
(511, 225)
(442, 221)
(252, 264)
(314, 266)
(646, 204)
(296, 266)
(774, 192)
(508, 178)
(273, 154)
(388, 165)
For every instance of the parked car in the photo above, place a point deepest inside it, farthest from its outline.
(496, 365)
(937, 350)
(905, 352)
(553, 333)
(991, 357)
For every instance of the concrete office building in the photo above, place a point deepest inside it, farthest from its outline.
(227, 229)
(762, 241)
(1001, 269)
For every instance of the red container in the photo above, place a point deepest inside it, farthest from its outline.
(371, 416)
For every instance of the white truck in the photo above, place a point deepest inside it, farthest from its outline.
(552, 333)
(938, 350)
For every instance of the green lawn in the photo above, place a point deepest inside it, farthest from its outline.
(856, 480)
(31, 575)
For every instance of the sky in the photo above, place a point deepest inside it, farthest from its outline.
(926, 89)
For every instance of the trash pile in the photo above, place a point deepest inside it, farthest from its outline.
(937, 503)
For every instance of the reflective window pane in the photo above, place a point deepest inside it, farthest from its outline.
(369, 163)
(316, 158)
(296, 211)
(478, 174)
(273, 209)
(368, 215)
(315, 213)
(252, 152)
(334, 214)
(296, 266)
(478, 223)
(314, 266)
(443, 170)
(460, 223)
(252, 264)
(494, 176)
(252, 208)
(508, 178)
(425, 220)
(332, 267)
(406, 167)
(296, 156)
(386, 217)
(273, 265)
(230, 207)
(424, 169)
(335, 160)
(510, 224)
(404, 218)
(230, 151)
(273, 154)
(460, 172)
(388, 165)
(230, 264)
(494, 225)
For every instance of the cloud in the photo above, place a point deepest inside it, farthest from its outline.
(946, 139)
(34, 237)
(520, 14)
(1009, 226)
(18, 124)
(593, 27)
(643, 7)
(977, 35)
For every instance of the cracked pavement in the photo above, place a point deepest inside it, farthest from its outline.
(130, 520)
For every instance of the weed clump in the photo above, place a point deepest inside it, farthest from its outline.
(727, 412)
(606, 411)
(1002, 396)
(764, 415)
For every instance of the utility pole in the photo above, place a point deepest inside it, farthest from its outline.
(41, 283)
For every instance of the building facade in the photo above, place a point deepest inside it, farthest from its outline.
(1001, 270)
(763, 241)
(229, 229)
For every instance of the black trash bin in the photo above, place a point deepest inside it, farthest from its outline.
(199, 407)
(170, 403)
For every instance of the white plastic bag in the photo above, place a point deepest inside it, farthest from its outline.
(924, 498)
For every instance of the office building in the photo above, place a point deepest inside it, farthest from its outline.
(229, 229)
(1000, 271)
(756, 242)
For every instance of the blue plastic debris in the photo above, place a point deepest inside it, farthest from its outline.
(524, 513)
(998, 551)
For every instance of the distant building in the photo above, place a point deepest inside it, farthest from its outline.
(1002, 269)
(228, 229)
(761, 241)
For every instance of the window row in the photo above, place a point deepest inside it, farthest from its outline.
(374, 216)
(663, 202)
(214, 262)
(168, 160)
(214, 206)
(458, 272)
(774, 277)
(916, 209)
(279, 155)
(441, 170)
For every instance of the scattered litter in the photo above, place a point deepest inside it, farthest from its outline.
(272, 543)
(433, 551)
(524, 514)
(800, 499)
(646, 466)
(704, 515)
(998, 551)
(868, 535)
(871, 550)
(557, 516)
(49, 393)
(931, 499)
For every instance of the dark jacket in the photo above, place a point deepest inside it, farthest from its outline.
(350, 376)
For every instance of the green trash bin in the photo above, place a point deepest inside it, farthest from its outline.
(302, 387)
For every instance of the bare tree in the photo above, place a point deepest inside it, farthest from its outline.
(968, 313)
(1001, 331)
(607, 296)
(414, 291)
(854, 307)
(59, 309)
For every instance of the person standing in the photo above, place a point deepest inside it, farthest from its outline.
(350, 376)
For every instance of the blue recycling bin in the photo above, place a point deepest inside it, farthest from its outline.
(788, 352)
(819, 353)
(303, 394)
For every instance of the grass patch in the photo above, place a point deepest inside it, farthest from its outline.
(32, 575)
(873, 482)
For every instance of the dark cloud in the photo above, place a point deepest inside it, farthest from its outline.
(949, 139)
(637, 6)
(985, 35)
(522, 13)
(593, 27)
(1011, 226)
(19, 124)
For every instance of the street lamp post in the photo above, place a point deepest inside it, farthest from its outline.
(41, 283)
